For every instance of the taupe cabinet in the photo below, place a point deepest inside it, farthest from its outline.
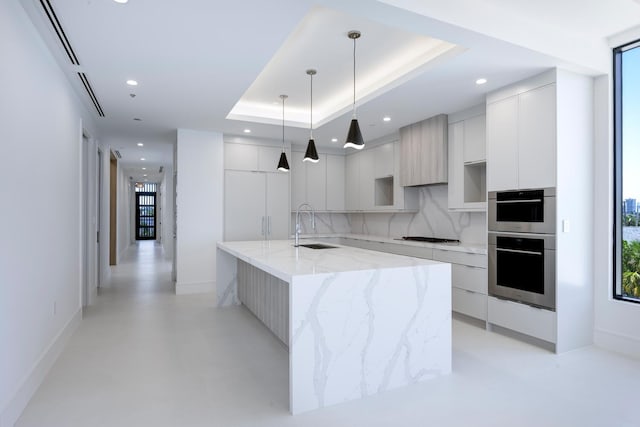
(423, 152)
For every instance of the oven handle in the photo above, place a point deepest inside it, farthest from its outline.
(515, 251)
(520, 201)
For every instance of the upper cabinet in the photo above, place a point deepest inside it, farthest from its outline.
(423, 152)
(319, 184)
(467, 161)
(372, 181)
(521, 137)
(248, 157)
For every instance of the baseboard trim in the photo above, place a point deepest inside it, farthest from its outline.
(617, 342)
(195, 288)
(14, 407)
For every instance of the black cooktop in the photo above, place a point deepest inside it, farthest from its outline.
(429, 239)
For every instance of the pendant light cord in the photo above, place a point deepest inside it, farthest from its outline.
(354, 78)
(311, 109)
(283, 98)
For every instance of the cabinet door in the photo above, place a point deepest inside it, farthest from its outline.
(317, 183)
(244, 205)
(456, 172)
(335, 182)
(298, 179)
(352, 184)
(278, 209)
(367, 183)
(383, 160)
(502, 144)
(537, 138)
(241, 157)
(474, 139)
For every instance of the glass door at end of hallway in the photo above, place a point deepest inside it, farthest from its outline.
(145, 215)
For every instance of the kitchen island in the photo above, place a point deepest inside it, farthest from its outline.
(356, 322)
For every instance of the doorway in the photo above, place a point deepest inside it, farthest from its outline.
(145, 215)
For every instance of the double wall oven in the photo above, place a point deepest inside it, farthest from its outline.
(522, 246)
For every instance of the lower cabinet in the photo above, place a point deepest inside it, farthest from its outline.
(469, 287)
(532, 321)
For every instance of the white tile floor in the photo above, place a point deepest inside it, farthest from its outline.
(145, 357)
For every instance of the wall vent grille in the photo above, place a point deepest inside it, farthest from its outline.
(55, 23)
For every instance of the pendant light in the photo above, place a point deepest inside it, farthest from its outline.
(311, 155)
(354, 137)
(283, 164)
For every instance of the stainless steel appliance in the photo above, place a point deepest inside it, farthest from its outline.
(524, 211)
(522, 267)
(522, 246)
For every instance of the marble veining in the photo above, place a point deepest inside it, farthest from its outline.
(361, 322)
(433, 219)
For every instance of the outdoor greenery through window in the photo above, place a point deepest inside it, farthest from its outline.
(627, 167)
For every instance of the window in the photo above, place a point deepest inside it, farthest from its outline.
(627, 171)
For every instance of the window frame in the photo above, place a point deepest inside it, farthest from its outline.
(617, 170)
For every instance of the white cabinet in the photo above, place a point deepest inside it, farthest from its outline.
(321, 184)
(372, 182)
(537, 138)
(352, 184)
(469, 281)
(467, 165)
(502, 144)
(335, 182)
(256, 205)
(521, 140)
(250, 157)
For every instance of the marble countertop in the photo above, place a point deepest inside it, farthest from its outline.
(472, 248)
(281, 259)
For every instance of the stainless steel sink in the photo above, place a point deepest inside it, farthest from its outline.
(318, 246)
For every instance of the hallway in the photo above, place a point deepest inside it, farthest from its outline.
(145, 357)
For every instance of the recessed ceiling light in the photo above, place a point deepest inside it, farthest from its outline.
(144, 174)
(386, 119)
(140, 144)
(481, 81)
(132, 83)
(121, 1)
(334, 139)
(143, 159)
(144, 169)
(247, 131)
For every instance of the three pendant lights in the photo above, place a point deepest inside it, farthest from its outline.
(354, 136)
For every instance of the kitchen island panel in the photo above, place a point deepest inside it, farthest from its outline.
(354, 334)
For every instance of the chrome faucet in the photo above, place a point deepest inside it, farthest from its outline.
(312, 213)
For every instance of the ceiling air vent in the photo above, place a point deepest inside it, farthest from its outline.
(161, 169)
(117, 153)
(91, 93)
(55, 23)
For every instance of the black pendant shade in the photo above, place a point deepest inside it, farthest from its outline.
(283, 164)
(311, 155)
(354, 137)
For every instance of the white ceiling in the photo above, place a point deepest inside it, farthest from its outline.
(195, 59)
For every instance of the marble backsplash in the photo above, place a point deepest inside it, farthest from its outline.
(433, 220)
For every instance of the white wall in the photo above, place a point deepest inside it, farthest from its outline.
(41, 123)
(199, 207)
(167, 212)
